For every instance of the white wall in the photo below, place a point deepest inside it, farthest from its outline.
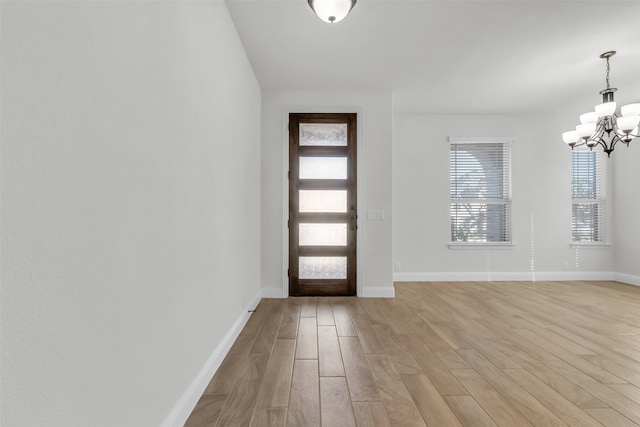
(541, 197)
(130, 205)
(374, 182)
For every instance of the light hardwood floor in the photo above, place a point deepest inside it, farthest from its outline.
(439, 354)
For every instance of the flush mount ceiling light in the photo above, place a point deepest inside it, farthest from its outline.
(604, 126)
(332, 11)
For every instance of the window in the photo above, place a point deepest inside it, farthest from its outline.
(588, 195)
(480, 172)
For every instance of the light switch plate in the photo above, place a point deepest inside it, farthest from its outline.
(375, 214)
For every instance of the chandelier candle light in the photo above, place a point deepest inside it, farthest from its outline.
(332, 11)
(604, 126)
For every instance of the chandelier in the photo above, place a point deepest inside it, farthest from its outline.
(332, 11)
(604, 126)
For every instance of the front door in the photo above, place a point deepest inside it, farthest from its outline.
(322, 204)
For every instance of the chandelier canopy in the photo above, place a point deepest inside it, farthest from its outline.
(332, 11)
(604, 126)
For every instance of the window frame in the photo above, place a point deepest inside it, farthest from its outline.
(506, 200)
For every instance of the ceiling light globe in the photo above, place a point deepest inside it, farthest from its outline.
(586, 130)
(627, 123)
(628, 136)
(590, 117)
(570, 137)
(630, 109)
(606, 109)
(331, 11)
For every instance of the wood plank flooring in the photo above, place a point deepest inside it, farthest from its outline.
(440, 354)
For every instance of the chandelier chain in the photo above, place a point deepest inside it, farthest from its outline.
(608, 87)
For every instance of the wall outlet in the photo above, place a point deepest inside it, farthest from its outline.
(397, 266)
(376, 214)
(565, 265)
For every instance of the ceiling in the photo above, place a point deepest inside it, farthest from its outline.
(447, 57)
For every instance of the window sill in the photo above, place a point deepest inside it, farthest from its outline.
(590, 245)
(489, 245)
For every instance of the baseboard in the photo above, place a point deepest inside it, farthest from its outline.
(575, 275)
(181, 411)
(627, 278)
(504, 276)
(377, 292)
(389, 292)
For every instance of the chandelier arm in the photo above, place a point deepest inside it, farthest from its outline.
(600, 129)
(627, 135)
(598, 141)
(614, 141)
(608, 148)
(598, 135)
(578, 143)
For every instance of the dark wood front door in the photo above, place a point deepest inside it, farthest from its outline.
(322, 204)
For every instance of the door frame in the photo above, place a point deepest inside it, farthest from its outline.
(285, 188)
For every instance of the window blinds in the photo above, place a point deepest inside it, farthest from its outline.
(588, 194)
(480, 174)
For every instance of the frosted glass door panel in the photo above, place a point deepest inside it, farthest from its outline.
(323, 134)
(322, 268)
(323, 168)
(323, 200)
(323, 234)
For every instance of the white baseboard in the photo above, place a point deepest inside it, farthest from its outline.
(627, 278)
(575, 275)
(460, 277)
(377, 292)
(504, 276)
(181, 411)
